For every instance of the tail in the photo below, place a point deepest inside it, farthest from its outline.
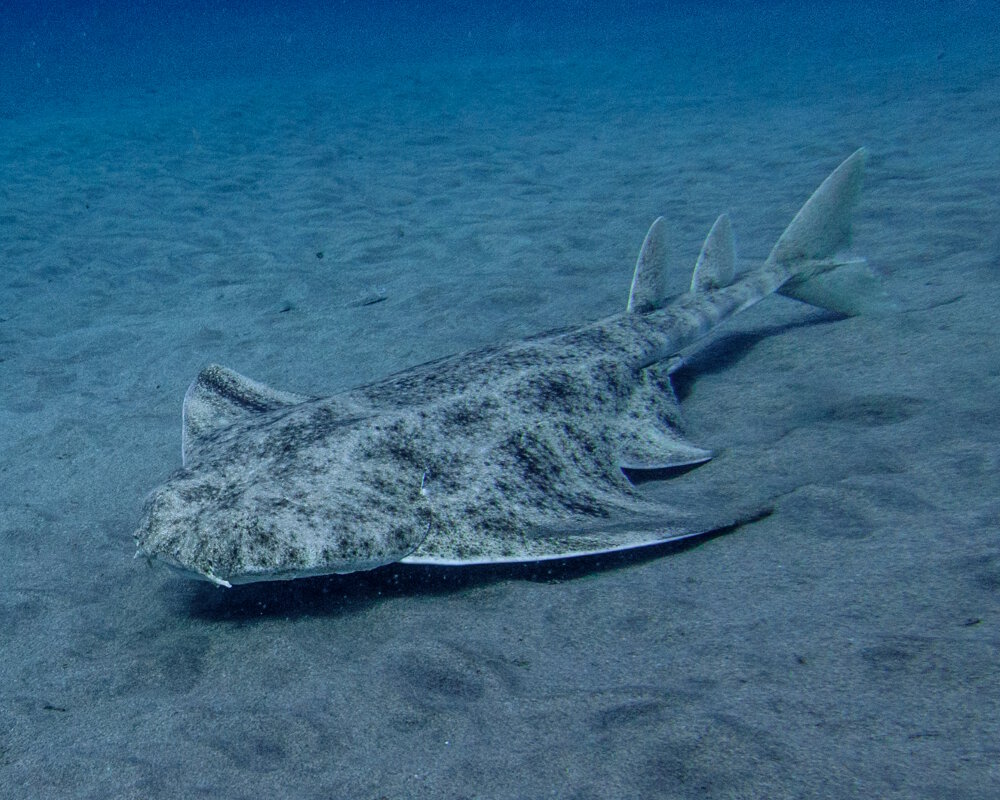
(809, 245)
(806, 252)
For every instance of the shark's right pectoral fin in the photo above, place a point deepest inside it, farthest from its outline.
(220, 397)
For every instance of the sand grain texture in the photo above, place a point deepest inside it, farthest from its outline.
(846, 646)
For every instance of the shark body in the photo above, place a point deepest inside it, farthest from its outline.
(520, 452)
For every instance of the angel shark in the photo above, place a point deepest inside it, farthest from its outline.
(520, 452)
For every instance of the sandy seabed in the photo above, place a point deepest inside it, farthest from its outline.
(318, 234)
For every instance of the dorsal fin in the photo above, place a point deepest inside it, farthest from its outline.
(716, 266)
(649, 278)
(823, 224)
(219, 397)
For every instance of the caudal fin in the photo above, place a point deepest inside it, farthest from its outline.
(809, 247)
(823, 224)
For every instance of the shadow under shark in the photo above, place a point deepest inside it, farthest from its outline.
(521, 452)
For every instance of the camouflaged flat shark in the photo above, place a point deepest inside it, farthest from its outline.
(521, 452)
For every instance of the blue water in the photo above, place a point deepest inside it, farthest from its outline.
(76, 54)
(318, 194)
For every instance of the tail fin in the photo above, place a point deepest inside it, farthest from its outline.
(823, 224)
(809, 245)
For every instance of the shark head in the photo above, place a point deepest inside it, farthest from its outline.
(271, 504)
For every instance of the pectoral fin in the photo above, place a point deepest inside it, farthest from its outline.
(220, 397)
(658, 452)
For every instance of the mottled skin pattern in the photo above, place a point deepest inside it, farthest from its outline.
(507, 453)
(510, 453)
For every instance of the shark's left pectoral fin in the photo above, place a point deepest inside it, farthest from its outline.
(220, 397)
(569, 538)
